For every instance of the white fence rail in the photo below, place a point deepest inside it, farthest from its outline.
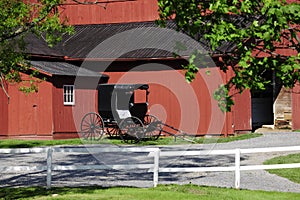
(156, 153)
(237, 165)
(152, 152)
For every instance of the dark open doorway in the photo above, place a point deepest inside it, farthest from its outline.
(262, 102)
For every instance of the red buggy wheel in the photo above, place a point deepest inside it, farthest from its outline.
(153, 127)
(131, 130)
(92, 126)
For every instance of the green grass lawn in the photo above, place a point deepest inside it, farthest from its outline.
(162, 192)
(291, 174)
(14, 143)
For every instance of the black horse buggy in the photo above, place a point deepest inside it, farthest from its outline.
(121, 115)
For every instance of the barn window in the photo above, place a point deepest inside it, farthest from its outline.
(69, 95)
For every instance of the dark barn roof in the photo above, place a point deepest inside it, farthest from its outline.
(64, 68)
(116, 41)
(119, 36)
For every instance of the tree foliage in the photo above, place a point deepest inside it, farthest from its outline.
(265, 33)
(18, 18)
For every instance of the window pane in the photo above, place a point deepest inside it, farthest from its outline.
(69, 94)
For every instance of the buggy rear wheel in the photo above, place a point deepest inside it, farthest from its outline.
(131, 130)
(92, 126)
(113, 131)
(153, 127)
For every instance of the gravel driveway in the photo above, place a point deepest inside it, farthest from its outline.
(254, 180)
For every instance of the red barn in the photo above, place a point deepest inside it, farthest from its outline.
(120, 44)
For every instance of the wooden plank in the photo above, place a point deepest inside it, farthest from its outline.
(197, 169)
(277, 166)
(22, 168)
(99, 167)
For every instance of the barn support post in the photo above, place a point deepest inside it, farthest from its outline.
(237, 168)
(156, 167)
(49, 167)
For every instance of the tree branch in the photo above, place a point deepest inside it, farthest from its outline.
(267, 52)
(26, 27)
(3, 87)
(296, 38)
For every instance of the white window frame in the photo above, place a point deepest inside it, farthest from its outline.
(69, 94)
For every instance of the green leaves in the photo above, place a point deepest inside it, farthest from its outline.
(191, 69)
(265, 33)
(224, 99)
(18, 18)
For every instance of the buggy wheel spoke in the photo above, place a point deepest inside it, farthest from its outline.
(153, 127)
(131, 130)
(85, 130)
(113, 131)
(92, 124)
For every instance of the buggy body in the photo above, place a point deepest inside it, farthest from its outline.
(120, 114)
(117, 101)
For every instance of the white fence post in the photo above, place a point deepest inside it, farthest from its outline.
(49, 167)
(156, 167)
(237, 168)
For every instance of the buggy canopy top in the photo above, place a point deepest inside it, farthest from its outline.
(113, 98)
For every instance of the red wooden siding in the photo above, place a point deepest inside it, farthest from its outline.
(115, 12)
(30, 114)
(3, 114)
(62, 114)
(67, 118)
(242, 112)
(189, 107)
(240, 116)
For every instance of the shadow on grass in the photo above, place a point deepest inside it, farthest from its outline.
(11, 143)
(21, 193)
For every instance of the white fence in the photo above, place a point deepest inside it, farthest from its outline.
(237, 165)
(156, 153)
(50, 167)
